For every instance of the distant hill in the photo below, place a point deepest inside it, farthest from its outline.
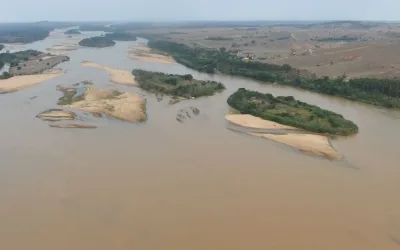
(93, 27)
(97, 42)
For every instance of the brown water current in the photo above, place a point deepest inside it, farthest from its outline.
(189, 186)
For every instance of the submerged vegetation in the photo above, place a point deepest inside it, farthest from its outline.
(380, 92)
(288, 111)
(176, 85)
(97, 41)
(70, 96)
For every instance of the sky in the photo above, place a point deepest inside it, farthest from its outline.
(188, 10)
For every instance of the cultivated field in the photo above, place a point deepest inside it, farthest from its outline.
(332, 49)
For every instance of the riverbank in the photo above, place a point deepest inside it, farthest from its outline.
(143, 53)
(375, 91)
(16, 83)
(117, 76)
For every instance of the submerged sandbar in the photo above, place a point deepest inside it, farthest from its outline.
(117, 76)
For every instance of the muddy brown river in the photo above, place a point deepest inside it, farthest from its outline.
(189, 186)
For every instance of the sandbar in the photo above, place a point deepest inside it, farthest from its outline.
(16, 83)
(56, 115)
(249, 121)
(318, 145)
(126, 106)
(144, 54)
(72, 126)
(62, 48)
(117, 76)
(314, 144)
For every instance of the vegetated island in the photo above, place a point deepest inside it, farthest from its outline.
(27, 68)
(264, 111)
(121, 36)
(289, 111)
(380, 92)
(72, 32)
(183, 86)
(127, 106)
(97, 42)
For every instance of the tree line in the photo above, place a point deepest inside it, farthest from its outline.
(381, 92)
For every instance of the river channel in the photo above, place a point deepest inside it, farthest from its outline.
(194, 185)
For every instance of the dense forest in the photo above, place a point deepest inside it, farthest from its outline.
(29, 32)
(121, 36)
(72, 32)
(23, 35)
(211, 61)
(288, 111)
(97, 41)
(381, 92)
(176, 85)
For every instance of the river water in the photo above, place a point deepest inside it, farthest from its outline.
(194, 185)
